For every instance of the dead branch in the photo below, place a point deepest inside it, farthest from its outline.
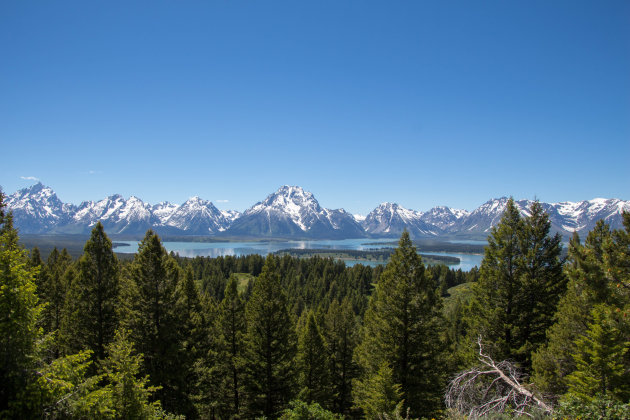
(492, 387)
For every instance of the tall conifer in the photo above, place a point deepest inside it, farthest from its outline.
(91, 314)
(154, 320)
(341, 333)
(494, 311)
(19, 314)
(598, 277)
(312, 363)
(402, 329)
(271, 345)
(232, 327)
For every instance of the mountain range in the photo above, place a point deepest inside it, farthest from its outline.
(290, 212)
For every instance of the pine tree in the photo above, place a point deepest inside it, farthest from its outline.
(91, 315)
(19, 315)
(599, 359)
(402, 329)
(494, 313)
(130, 392)
(150, 312)
(541, 284)
(312, 363)
(341, 333)
(232, 328)
(57, 272)
(193, 330)
(210, 369)
(378, 394)
(270, 345)
(597, 274)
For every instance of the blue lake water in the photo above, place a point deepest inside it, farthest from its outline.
(218, 249)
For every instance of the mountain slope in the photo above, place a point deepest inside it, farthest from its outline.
(291, 211)
(38, 209)
(390, 219)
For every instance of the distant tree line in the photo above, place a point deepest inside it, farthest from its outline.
(160, 336)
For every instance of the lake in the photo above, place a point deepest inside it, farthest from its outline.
(218, 249)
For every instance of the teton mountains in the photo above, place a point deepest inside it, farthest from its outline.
(290, 212)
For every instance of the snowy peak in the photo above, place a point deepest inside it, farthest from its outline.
(197, 216)
(391, 219)
(37, 209)
(289, 212)
(292, 211)
(293, 202)
(162, 211)
(444, 217)
(582, 215)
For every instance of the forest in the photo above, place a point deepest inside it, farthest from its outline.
(534, 332)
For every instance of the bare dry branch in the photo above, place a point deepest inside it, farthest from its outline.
(492, 387)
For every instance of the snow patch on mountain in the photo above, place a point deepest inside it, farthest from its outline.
(289, 212)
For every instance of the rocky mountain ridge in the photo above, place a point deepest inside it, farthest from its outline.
(290, 212)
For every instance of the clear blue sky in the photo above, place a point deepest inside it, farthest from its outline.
(422, 103)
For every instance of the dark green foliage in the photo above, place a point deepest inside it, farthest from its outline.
(312, 364)
(91, 317)
(401, 331)
(541, 283)
(519, 287)
(232, 327)
(598, 277)
(341, 333)
(494, 313)
(270, 344)
(206, 384)
(154, 321)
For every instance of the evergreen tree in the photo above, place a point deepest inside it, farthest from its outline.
(91, 317)
(494, 313)
(341, 333)
(270, 345)
(193, 330)
(63, 389)
(152, 317)
(312, 363)
(57, 273)
(597, 277)
(541, 284)
(210, 396)
(232, 328)
(130, 393)
(402, 329)
(19, 315)
(599, 355)
(378, 394)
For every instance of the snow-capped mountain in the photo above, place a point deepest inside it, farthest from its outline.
(566, 217)
(197, 217)
(291, 211)
(117, 215)
(485, 216)
(444, 217)
(38, 209)
(390, 219)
